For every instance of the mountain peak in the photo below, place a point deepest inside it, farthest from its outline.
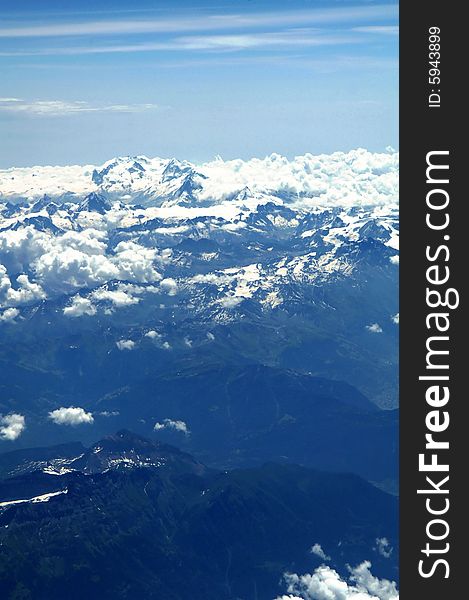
(94, 202)
(127, 440)
(176, 168)
(325, 179)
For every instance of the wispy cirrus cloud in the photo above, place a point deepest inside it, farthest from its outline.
(55, 108)
(202, 23)
(291, 38)
(380, 29)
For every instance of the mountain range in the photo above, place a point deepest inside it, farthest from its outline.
(241, 318)
(355, 178)
(134, 518)
(246, 324)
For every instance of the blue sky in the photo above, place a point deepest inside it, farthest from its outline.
(84, 81)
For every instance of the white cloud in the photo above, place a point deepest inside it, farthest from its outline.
(119, 298)
(19, 248)
(211, 278)
(69, 261)
(319, 552)
(230, 301)
(395, 318)
(79, 307)
(71, 415)
(125, 345)
(210, 336)
(135, 263)
(375, 328)
(57, 108)
(394, 260)
(355, 178)
(71, 268)
(382, 589)
(170, 424)
(153, 335)
(326, 584)
(75, 260)
(25, 292)
(383, 547)
(109, 413)
(9, 315)
(169, 286)
(11, 426)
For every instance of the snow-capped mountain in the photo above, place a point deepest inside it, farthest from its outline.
(258, 253)
(139, 267)
(120, 451)
(138, 220)
(355, 178)
(134, 505)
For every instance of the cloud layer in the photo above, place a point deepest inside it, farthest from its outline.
(122, 241)
(67, 262)
(350, 178)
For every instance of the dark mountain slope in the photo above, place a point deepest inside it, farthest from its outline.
(173, 530)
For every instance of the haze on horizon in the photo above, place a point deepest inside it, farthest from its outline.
(81, 85)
